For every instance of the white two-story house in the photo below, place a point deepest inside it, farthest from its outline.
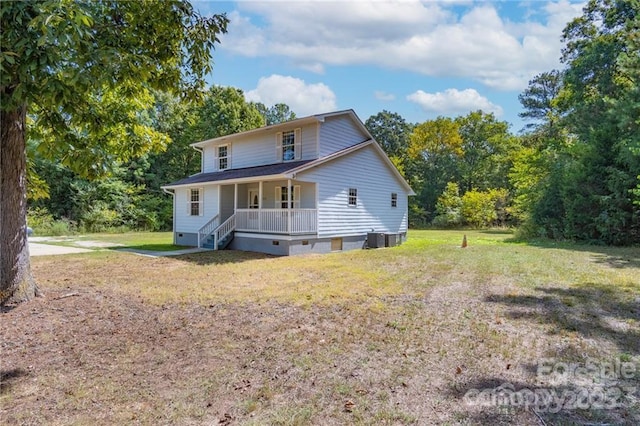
(314, 184)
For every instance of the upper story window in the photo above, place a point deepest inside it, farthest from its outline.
(288, 145)
(195, 202)
(223, 157)
(353, 196)
(394, 199)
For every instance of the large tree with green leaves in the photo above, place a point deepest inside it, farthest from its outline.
(587, 146)
(224, 112)
(435, 150)
(538, 165)
(602, 92)
(278, 113)
(486, 151)
(391, 131)
(472, 151)
(541, 102)
(83, 70)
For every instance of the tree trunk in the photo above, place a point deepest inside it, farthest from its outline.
(16, 282)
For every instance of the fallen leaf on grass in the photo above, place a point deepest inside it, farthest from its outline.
(348, 406)
(243, 385)
(227, 419)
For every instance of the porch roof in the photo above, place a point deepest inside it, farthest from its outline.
(232, 174)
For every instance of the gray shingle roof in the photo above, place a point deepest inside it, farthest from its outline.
(247, 172)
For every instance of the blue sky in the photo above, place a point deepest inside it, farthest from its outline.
(421, 59)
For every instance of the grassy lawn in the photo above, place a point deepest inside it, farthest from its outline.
(424, 333)
(130, 238)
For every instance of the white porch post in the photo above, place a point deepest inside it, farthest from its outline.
(289, 191)
(235, 198)
(260, 206)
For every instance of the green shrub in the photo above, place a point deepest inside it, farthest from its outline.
(478, 209)
(449, 207)
(43, 223)
(99, 218)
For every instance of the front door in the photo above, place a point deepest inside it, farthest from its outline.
(254, 200)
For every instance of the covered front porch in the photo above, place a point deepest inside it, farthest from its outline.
(275, 207)
(283, 207)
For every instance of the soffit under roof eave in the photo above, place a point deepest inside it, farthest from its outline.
(229, 181)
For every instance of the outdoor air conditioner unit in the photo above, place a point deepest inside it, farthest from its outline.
(391, 240)
(375, 239)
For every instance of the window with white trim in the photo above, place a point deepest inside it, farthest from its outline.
(353, 196)
(394, 199)
(195, 202)
(223, 157)
(282, 197)
(288, 145)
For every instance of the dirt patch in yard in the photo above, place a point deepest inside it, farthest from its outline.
(92, 356)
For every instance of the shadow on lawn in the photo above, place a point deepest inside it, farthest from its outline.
(498, 401)
(616, 257)
(595, 311)
(496, 232)
(9, 377)
(220, 257)
(150, 247)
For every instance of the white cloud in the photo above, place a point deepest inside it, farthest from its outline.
(316, 67)
(384, 96)
(247, 38)
(454, 102)
(302, 98)
(431, 38)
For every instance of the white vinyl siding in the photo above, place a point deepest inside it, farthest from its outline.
(339, 132)
(365, 170)
(184, 221)
(312, 141)
(260, 149)
(226, 202)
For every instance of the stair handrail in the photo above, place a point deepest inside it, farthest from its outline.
(207, 229)
(225, 228)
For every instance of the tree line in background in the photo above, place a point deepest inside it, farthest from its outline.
(573, 173)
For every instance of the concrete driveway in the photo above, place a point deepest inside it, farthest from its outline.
(39, 249)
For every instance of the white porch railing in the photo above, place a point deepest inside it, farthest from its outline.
(207, 229)
(277, 221)
(225, 228)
